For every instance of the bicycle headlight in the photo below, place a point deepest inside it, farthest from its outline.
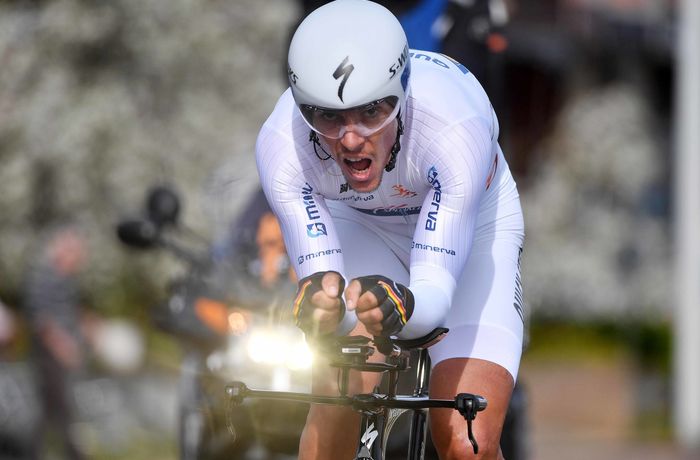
(279, 348)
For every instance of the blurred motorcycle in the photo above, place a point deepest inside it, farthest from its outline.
(229, 329)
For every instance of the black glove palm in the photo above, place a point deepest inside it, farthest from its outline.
(395, 301)
(303, 308)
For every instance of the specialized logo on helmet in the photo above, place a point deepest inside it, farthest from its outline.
(344, 70)
(403, 59)
(291, 75)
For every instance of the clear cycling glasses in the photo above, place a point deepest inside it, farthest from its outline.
(364, 120)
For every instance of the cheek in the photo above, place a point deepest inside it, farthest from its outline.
(389, 139)
(389, 135)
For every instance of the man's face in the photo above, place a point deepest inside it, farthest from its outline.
(270, 248)
(362, 158)
(68, 251)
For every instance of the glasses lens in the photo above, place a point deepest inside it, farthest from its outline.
(365, 120)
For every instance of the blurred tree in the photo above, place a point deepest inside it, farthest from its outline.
(99, 100)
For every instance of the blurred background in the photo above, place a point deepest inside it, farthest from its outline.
(145, 113)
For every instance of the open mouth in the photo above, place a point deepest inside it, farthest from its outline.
(358, 165)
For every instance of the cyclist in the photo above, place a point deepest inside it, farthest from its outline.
(383, 166)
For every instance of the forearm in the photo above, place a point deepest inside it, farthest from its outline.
(432, 289)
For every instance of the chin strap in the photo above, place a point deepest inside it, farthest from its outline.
(313, 138)
(397, 145)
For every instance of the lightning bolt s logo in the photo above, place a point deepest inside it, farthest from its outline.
(369, 436)
(344, 70)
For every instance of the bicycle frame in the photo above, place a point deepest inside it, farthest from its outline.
(380, 411)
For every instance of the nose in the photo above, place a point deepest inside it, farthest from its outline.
(352, 141)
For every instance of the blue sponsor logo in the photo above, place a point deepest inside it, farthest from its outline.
(431, 221)
(309, 203)
(428, 247)
(313, 255)
(315, 230)
(440, 63)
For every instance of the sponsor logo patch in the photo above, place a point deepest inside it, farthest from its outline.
(315, 230)
(431, 221)
(314, 255)
(403, 191)
(428, 247)
(401, 210)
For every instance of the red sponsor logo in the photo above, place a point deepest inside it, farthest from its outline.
(403, 191)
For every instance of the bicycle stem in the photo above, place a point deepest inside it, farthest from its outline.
(422, 379)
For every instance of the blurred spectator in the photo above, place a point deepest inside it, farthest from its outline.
(52, 307)
(422, 21)
(252, 256)
(272, 254)
(7, 327)
(473, 34)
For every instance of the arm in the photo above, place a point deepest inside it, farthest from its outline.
(457, 170)
(291, 188)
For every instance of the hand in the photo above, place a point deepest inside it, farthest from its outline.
(318, 306)
(382, 305)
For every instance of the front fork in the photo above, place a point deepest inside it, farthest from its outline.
(376, 428)
(371, 443)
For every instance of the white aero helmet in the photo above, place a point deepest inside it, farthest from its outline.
(348, 54)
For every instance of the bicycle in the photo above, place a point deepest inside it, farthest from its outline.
(215, 323)
(379, 411)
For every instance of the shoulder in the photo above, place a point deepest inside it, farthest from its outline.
(285, 157)
(280, 122)
(281, 137)
(443, 88)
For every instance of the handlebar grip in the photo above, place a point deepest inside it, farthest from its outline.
(481, 403)
(469, 404)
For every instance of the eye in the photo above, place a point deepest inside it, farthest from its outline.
(328, 116)
(371, 112)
